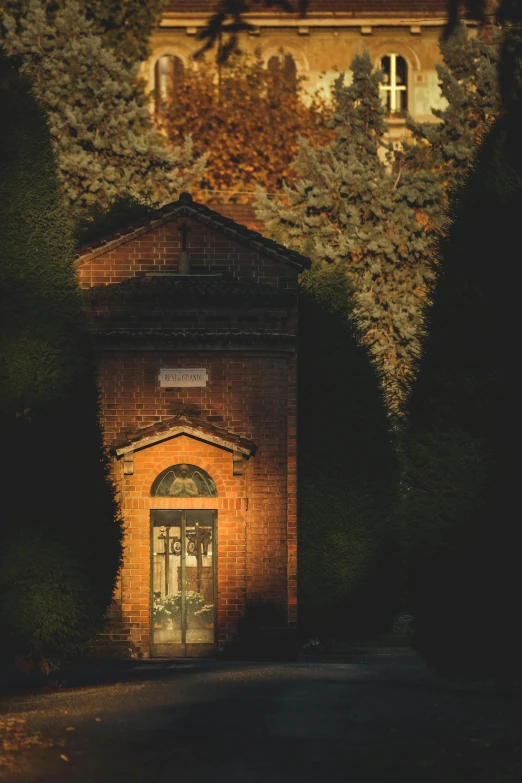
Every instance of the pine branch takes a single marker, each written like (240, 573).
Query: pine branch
(228, 20)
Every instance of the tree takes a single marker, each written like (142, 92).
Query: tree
(125, 25)
(98, 116)
(349, 554)
(458, 450)
(349, 207)
(469, 86)
(462, 434)
(227, 23)
(248, 121)
(60, 542)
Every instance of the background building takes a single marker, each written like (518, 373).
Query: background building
(401, 35)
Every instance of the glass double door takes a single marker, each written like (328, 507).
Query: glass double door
(183, 582)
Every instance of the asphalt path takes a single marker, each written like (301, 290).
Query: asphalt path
(365, 718)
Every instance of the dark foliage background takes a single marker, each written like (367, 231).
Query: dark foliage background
(60, 538)
(459, 496)
(349, 555)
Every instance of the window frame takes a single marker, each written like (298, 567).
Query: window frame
(393, 88)
(161, 78)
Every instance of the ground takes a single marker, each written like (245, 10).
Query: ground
(364, 717)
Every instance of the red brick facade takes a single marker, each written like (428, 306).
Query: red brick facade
(234, 315)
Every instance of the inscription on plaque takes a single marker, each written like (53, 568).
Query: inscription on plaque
(186, 376)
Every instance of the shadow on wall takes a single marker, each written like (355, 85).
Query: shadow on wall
(263, 635)
(115, 642)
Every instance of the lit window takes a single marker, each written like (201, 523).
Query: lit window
(167, 72)
(393, 87)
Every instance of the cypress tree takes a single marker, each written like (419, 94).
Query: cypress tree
(348, 550)
(99, 116)
(60, 543)
(350, 207)
(457, 508)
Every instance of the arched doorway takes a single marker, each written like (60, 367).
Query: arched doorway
(184, 566)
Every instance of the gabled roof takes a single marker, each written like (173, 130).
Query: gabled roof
(183, 425)
(187, 207)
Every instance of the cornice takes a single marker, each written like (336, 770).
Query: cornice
(190, 21)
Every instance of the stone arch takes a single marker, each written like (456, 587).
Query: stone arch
(300, 59)
(409, 57)
(182, 52)
(381, 48)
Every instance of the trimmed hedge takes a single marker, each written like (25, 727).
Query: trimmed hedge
(60, 539)
(458, 508)
(348, 552)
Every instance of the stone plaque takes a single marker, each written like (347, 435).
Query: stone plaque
(184, 376)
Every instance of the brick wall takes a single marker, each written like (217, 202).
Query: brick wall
(158, 251)
(250, 395)
(250, 392)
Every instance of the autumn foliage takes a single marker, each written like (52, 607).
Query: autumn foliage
(248, 118)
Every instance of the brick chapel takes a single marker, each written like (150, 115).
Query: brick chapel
(195, 322)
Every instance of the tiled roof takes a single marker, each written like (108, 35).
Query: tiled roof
(178, 425)
(186, 207)
(223, 340)
(361, 8)
(189, 291)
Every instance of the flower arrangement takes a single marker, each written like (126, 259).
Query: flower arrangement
(168, 608)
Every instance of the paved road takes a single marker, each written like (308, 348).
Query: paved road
(369, 718)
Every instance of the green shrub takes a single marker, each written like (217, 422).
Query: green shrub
(60, 542)
(458, 501)
(348, 552)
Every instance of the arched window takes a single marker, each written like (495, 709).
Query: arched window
(394, 87)
(285, 63)
(184, 481)
(168, 71)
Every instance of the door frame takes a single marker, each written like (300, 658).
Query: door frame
(184, 649)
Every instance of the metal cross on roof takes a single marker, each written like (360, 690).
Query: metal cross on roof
(184, 230)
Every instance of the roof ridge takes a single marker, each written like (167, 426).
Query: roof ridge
(186, 205)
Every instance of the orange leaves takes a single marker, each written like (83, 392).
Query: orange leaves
(248, 122)
(15, 737)
(422, 218)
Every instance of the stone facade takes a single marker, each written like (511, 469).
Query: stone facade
(235, 315)
(324, 43)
